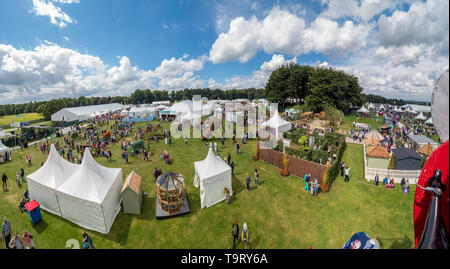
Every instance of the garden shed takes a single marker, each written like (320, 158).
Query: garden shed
(377, 157)
(132, 194)
(407, 159)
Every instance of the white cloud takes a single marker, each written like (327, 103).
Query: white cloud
(259, 77)
(360, 10)
(54, 12)
(283, 32)
(50, 71)
(407, 72)
(424, 23)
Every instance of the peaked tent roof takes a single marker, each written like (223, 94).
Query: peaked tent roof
(429, 121)
(91, 181)
(55, 171)
(3, 148)
(210, 166)
(363, 110)
(420, 116)
(275, 122)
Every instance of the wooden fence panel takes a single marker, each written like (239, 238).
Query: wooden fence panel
(296, 166)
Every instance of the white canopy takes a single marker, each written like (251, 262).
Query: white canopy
(398, 110)
(3, 148)
(429, 121)
(278, 124)
(420, 116)
(212, 175)
(5, 152)
(90, 197)
(363, 110)
(42, 184)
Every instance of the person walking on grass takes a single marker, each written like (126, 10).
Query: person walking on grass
(6, 232)
(232, 167)
(342, 169)
(18, 179)
(256, 177)
(307, 179)
(248, 182)
(235, 233)
(245, 235)
(237, 148)
(22, 174)
(347, 174)
(4, 179)
(88, 239)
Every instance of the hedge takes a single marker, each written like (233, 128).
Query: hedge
(333, 171)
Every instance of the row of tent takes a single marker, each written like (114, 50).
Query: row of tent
(87, 194)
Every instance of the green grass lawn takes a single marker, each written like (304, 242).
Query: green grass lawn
(348, 120)
(279, 214)
(27, 117)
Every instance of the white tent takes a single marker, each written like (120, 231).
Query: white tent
(91, 196)
(4, 150)
(277, 124)
(212, 175)
(363, 110)
(42, 184)
(420, 116)
(429, 121)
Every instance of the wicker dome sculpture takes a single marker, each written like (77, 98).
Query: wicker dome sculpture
(171, 193)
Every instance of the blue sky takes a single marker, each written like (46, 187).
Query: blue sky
(60, 48)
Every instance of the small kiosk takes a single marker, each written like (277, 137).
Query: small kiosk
(34, 211)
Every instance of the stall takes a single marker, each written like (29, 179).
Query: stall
(212, 175)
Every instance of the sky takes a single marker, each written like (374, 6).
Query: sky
(70, 48)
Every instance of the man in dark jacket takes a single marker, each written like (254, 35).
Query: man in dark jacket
(235, 232)
(4, 179)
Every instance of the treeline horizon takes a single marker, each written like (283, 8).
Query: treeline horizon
(142, 96)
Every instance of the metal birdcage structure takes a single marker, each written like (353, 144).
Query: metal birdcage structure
(170, 189)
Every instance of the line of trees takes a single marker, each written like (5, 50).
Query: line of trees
(47, 108)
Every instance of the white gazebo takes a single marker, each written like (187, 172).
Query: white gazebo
(212, 175)
(363, 110)
(90, 197)
(42, 184)
(429, 121)
(277, 125)
(5, 152)
(420, 116)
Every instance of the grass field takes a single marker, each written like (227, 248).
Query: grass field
(27, 117)
(279, 214)
(348, 120)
